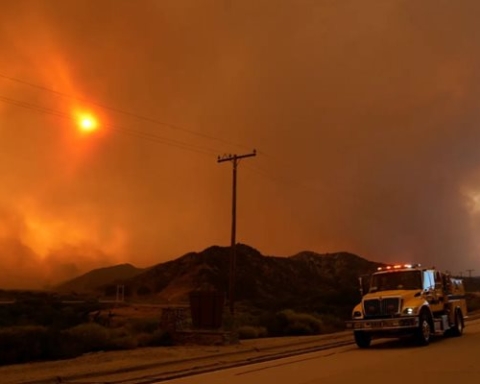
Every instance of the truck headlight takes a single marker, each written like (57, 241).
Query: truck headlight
(357, 314)
(410, 311)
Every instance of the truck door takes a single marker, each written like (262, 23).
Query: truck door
(432, 295)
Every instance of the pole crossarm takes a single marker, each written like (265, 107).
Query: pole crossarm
(230, 157)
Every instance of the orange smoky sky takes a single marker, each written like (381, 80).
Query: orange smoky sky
(365, 117)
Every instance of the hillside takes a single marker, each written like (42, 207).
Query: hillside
(89, 281)
(306, 280)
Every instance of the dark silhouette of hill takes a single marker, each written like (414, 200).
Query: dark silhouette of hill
(90, 281)
(306, 280)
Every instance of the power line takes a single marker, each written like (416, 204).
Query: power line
(129, 131)
(161, 140)
(290, 182)
(37, 108)
(124, 112)
(279, 163)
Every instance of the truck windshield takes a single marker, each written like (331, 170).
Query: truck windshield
(396, 280)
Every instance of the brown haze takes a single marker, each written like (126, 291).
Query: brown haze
(365, 115)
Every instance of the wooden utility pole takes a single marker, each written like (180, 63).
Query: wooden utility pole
(231, 281)
(470, 273)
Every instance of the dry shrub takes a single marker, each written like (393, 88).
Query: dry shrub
(251, 332)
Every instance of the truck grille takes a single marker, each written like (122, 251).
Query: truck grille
(381, 307)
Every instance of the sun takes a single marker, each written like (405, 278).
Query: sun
(87, 123)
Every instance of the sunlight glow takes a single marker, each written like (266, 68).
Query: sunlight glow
(87, 123)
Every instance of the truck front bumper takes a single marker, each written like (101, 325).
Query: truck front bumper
(379, 325)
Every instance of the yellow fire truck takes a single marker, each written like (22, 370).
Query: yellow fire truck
(409, 301)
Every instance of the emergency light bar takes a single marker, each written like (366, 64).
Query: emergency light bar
(398, 266)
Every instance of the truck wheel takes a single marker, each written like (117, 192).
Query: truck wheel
(424, 331)
(457, 329)
(362, 339)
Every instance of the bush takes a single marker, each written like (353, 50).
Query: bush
(144, 325)
(161, 338)
(251, 332)
(144, 340)
(28, 343)
(121, 338)
(331, 323)
(299, 328)
(123, 343)
(290, 323)
(88, 337)
(46, 312)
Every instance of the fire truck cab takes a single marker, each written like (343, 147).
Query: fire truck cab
(409, 301)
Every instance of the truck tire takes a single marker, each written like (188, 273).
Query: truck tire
(362, 339)
(424, 331)
(457, 329)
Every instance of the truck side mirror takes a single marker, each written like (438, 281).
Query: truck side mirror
(364, 282)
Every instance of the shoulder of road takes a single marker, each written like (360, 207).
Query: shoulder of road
(149, 365)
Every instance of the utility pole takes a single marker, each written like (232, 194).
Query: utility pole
(231, 281)
(470, 273)
(120, 293)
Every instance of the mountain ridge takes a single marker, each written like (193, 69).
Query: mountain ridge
(97, 277)
(305, 279)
